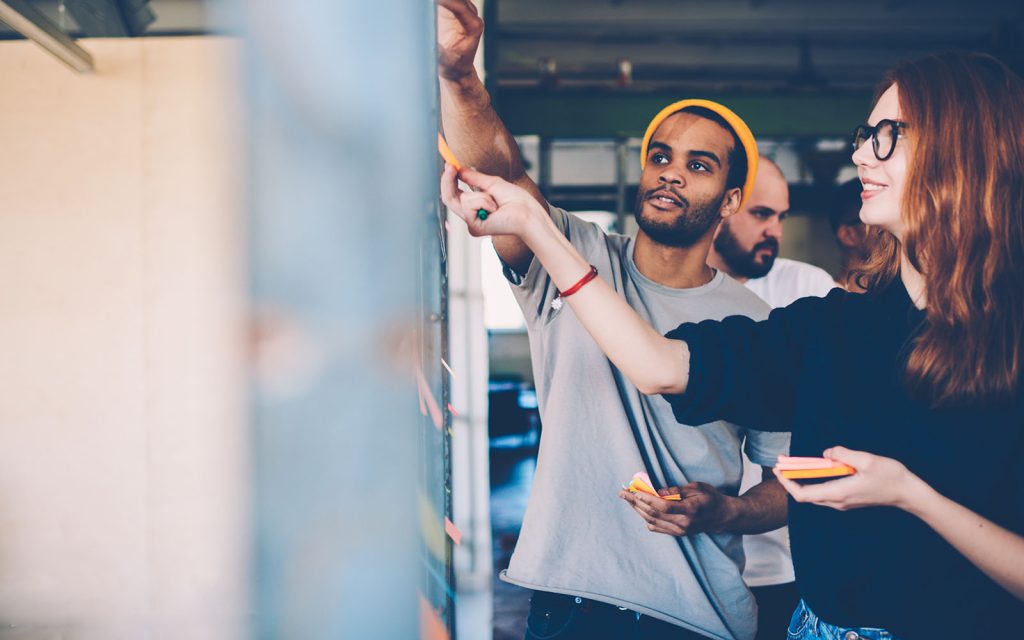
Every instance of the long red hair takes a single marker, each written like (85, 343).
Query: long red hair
(963, 214)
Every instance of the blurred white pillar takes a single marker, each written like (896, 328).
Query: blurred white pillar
(341, 186)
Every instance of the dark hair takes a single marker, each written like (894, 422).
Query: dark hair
(846, 206)
(737, 155)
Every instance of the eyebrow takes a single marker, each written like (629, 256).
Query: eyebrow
(706, 154)
(696, 152)
(762, 209)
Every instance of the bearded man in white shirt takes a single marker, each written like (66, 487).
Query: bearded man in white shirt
(746, 247)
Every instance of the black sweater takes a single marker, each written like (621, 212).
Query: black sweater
(830, 370)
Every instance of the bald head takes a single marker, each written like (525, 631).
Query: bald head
(747, 243)
(768, 171)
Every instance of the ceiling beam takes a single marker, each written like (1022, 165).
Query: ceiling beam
(32, 24)
(111, 18)
(611, 114)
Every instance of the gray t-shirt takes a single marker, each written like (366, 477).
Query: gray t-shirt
(578, 536)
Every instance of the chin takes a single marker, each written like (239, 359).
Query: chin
(879, 216)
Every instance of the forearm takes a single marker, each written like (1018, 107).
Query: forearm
(996, 551)
(479, 139)
(650, 361)
(475, 132)
(762, 508)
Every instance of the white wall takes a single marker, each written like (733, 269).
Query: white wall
(122, 429)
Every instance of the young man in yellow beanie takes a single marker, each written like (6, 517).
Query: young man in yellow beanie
(596, 570)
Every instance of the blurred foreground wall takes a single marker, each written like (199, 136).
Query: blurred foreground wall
(123, 453)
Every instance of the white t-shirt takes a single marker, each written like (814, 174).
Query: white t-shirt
(768, 558)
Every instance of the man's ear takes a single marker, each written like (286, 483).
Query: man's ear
(848, 235)
(731, 202)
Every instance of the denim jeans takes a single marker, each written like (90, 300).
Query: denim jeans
(555, 616)
(804, 625)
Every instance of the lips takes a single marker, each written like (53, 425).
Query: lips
(665, 199)
(871, 188)
(770, 245)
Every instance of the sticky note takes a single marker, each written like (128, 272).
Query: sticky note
(452, 531)
(431, 625)
(446, 153)
(641, 482)
(430, 527)
(797, 468)
(427, 400)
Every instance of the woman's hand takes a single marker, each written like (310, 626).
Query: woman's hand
(879, 482)
(510, 209)
(996, 551)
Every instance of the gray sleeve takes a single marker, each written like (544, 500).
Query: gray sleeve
(764, 447)
(534, 290)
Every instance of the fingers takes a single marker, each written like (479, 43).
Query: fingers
(856, 459)
(483, 181)
(677, 526)
(668, 530)
(792, 488)
(464, 204)
(834, 493)
(464, 10)
(661, 509)
(449, 189)
(695, 489)
(657, 520)
(474, 201)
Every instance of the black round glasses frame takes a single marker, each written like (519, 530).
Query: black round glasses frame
(864, 131)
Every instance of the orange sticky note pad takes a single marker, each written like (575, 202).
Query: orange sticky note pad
(797, 468)
(641, 482)
(446, 153)
(452, 531)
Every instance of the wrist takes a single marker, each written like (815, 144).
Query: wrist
(537, 226)
(731, 512)
(915, 495)
(462, 81)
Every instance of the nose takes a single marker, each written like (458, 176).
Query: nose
(671, 175)
(864, 156)
(774, 229)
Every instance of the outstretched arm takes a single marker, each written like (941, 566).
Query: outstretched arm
(472, 129)
(649, 360)
(880, 481)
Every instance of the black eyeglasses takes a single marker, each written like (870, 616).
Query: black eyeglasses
(883, 137)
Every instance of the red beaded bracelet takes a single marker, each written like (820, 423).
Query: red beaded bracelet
(557, 302)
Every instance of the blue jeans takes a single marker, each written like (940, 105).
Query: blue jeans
(804, 625)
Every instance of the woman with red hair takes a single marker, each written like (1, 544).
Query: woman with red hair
(916, 384)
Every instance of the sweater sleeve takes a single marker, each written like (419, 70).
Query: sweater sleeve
(747, 372)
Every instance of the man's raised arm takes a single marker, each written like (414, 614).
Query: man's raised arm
(473, 130)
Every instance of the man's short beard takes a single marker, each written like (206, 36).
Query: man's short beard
(744, 264)
(689, 226)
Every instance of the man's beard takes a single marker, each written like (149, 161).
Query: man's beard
(689, 225)
(744, 264)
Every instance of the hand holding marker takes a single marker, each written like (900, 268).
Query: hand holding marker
(449, 157)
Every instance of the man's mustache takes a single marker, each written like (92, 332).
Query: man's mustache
(770, 243)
